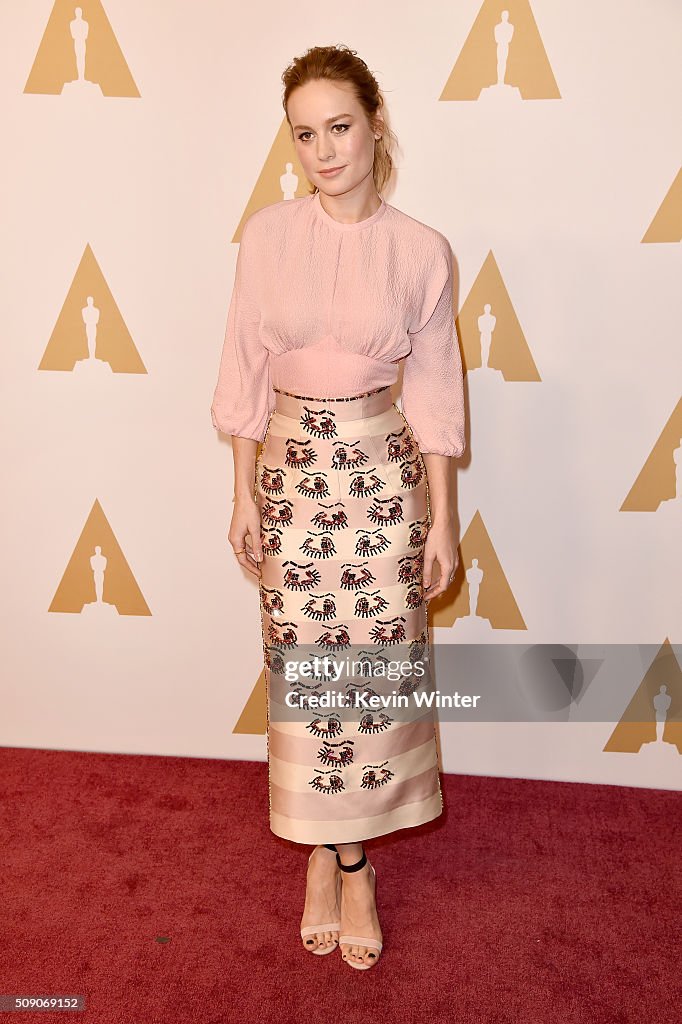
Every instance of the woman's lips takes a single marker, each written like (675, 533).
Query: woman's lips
(331, 172)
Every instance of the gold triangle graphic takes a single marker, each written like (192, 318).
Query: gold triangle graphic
(253, 719)
(657, 479)
(488, 308)
(667, 223)
(281, 175)
(503, 52)
(79, 54)
(98, 578)
(495, 602)
(662, 682)
(90, 309)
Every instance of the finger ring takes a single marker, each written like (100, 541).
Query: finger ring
(241, 551)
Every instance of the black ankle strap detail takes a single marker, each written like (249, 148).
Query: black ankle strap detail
(352, 867)
(330, 846)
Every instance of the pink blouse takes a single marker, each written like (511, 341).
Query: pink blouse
(327, 310)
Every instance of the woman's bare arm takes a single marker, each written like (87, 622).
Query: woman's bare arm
(441, 543)
(244, 529)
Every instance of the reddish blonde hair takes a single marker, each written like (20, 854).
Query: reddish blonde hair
(341, 64)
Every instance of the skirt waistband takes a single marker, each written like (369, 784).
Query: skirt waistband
(355, 407)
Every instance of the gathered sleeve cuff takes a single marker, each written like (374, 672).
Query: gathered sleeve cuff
(243, 398)
(433, 385)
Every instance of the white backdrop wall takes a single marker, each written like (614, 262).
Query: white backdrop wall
(561, 196)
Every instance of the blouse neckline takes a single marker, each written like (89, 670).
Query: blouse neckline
(337, 224)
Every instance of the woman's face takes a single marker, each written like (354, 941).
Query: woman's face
(331, 130)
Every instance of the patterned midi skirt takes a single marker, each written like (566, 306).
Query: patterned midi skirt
(343, 497)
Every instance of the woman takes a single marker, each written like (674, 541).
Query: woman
(344, 512)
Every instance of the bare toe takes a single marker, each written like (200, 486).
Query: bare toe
(321, 901)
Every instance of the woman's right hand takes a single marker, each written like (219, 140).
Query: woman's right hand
(244, 534)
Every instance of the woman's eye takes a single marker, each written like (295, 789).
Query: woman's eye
(344, 126)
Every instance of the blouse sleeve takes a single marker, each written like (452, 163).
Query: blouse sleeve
(433, 386)
(243, 398)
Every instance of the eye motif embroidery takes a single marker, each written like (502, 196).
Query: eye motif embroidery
(375, 775)
(414, 598)
(399, 445)
(335, 784)
(408, 684)
(418, 532)
(411, 569)
(272, 541)
(322, 608)
(301, 577)
(325, 549)
(346, 456)
(283, 634)
(335, 639)
(299, 454)
(272, 601)
(369, 605)
(353, 689)
(326, 727)
(364, 483)
(272, 480)
(364, 545)
(336, 758)
(274, 659)
(301, 690)
(386, 510)
(391, 631)
(314, 487)
(354, 576)
(411, 473)
(322, 676)
(278, 513)
(331, 520)
(371, 723)
(418, 649)
(318, 422)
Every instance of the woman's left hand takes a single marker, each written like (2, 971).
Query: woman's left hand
(441, 547)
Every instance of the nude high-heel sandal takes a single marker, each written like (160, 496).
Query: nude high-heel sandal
(335, 926)
(360, 940)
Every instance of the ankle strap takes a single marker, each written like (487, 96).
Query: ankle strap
(330, 846)
(352, 867)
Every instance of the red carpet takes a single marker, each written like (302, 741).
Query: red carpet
(526, 903)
